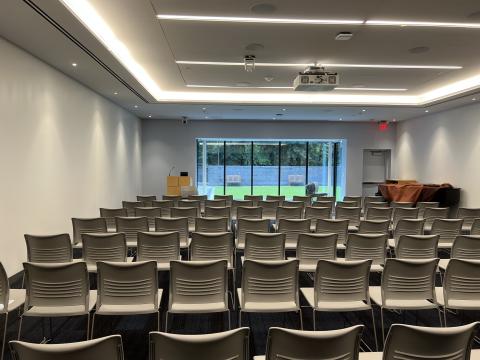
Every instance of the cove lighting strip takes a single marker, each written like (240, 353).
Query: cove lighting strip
(290, 87)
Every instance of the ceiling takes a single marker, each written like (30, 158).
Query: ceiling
(126, 53)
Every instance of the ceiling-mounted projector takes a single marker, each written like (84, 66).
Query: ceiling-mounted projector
(315, 78)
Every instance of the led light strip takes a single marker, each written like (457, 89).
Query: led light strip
(423, 24)
(368, 89)
(291, 87)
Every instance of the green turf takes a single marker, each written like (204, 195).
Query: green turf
(289, 191)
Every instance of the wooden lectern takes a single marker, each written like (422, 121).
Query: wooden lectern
(174, 184)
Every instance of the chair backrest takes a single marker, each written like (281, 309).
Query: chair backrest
(292, 228)
(346, 204)
(293, 204)
(254, 198)
(264, 246)
(211, 225)
(279, 198)
(448, 229)
(249, 212)
(417, 247)
(216, 203)
(49, 248)
(352, 214)
(4, 290)
(379, 213)
(466, 247)
(57, 285)
(104, 247)
(93, 225)
(191, 213)
(179, 224)
(475, 230)
(212, 246)
(251, 225)
(299, 344)
(468, 215)
(201, 198)
(270, 282)
(408, 227)
(314, 213)
(369, 199)
(232, 344)
(377, 204)
(109, 347)
(227, 198)
(430, 214)
(164, 205)
(174, 198)
(367, 246)
(130, 206)
(356, 199)
(210, 280)
(161, 247)
(337, 281)
(130, 226)
(322, 203)
(289, 212)
(269, 208)
(461, 282)
(422, 205)
(418, 342)
(110, 214)
(336, 226)
(306, 199)
(127, 284)
(237, 203)
(402, 204)
(314, 247)
(150, 213)
(400, 213)
(218, 212)
(412, 279)
(374, 227)
(146, 198)
(188, 204)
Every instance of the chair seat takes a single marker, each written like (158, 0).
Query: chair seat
(132, 244)
(290, 245)
(391, 243)
(306, 265)
(163, 266)
(458, 304)
(239, 244)
(16, 299)
(185, 243)
(339, 306)
(341, 246)
(198, 308)
(267, 306)
(127, 309)
(63, 310)
(352, 228)
(259, 357)
(405, 304)
(445, 245)
(376, 268)
(442, 264)
(370, 355)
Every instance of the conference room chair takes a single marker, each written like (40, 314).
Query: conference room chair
(90, 225)
(346, 204)
(356, 199)
(211, 225)
(238, 203)
(187, 204)
(401, 204)
(227, 345)
(336, 226)
(269, 208)
(292, 228)
(147, 200)
(228, 199)
(379, 213)
(406, 227)
(306, 199)
(191, 213)
(215, 203)
(126, 289)
(254, 198)
(245, 226)
(279, 198)
(201, 198)
(57, 290)
(448, 229)
(400, 213)
(338, 344)
(314, 213)
(406, 285)
(105, 348)
(422, 205)
(264, 246)
(367, 246)
(340, 287)
(110, 214)
(327, 204)
(174, 198)
(269, 287)
(410, 342)
(248, 212)
(468, 215)
(430, 214)
(164, 205)
(104, 247)
(314, 247)
(417, 247)
(198, 287)
(369, 199)
(49, 248)
(327, 198)
(352, 214)
(317, 196)
(161, 247)
(178, 224)
(131, 226)
(374, 227)
(10, 300)
(150, 213)
(377, 204)
(293, 204)
(217, 212)
(465, 247)
(130, 206)
(288, 213)
(475, 227)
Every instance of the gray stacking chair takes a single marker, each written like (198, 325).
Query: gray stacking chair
(327, 204)
(346, 204)
(179, 224)
(232, 344)
(417, 247)
(401, 204)
(292, 228)
(400, 213)
(191, 213)
(468, 215)
(93, 225)
(208, 246)
(174, 198)
(314, 213)
(367, 246)
(314, 247)
(150, 213)
(374, 227)
(475, 227)
(269, 287)
(227, 198)
(339, 227)
(106, 348)
(215, 203)
(249, 225)
(126, 289)
(248, 212)
(254, 198)
(317, 196)
(264, 246)
(49, 248)
(422, 205)
(188, 204)
(377, 204)
(200, 198)
(147, 200)
(369, 199)
(161, 247)
(198, 287)
(211, 225)
(217, 212)
(340, 287)
(430, 214)
(293, 204)
(130, 206)
(356, 199)
(110, 214)
(279, 198)
(379, 213)
(10, 300)
(297, 344)
(103, 247)
(269, 208)
(448, 229)
(57, 290)
(464, 247)
(236, 204)
(406, 285)
(131, 226)
(406, 227)
(307, 199)
(288, 213)
(164, 205)
(352, 214)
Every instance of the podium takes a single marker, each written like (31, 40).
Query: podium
(174, 184)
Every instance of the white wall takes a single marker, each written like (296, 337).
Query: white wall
(443, 148)
(64, 152)
(167, 143)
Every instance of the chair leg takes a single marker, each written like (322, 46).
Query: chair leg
(166, 321)
(229, 320)
(301, 318)
(240, 318)
(374, 329)
(233, 288)
(383, 327)
(93, 326)
(445, 316)
(4, 334)
(88, 326)
(158, 320)
(314, 326)
(440, 316)
(20, 327)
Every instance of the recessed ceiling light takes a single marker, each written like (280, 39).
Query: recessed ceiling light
(204, 108)
(340, 119)
(149, 116)
(427, 111)
(344, 36)
(369, 89)
(284, 109)
(135, 106)
(74, 64)
(363, 110)
(206, 117)
(422, 24)
(115, 93)
(474, 99)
